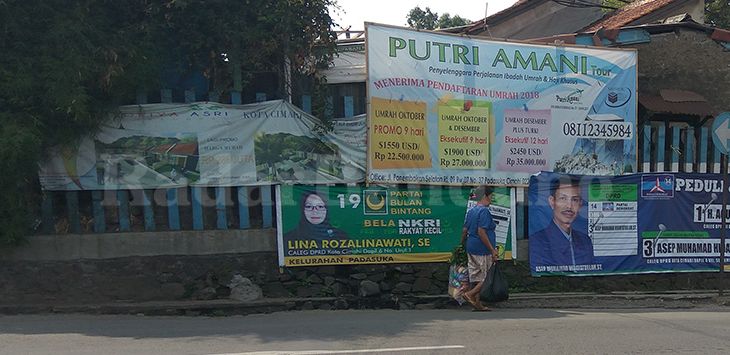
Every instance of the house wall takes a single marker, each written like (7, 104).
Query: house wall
(686, 60)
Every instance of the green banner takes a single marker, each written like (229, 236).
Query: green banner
(339, 225)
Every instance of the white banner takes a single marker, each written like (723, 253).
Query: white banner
(446, 109)
(210, 144)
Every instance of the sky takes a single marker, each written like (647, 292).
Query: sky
(394, 12)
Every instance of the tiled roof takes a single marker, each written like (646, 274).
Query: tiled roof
(628, 14)
(680, 102)
(184, 148)
(681, 96)
(161, 148)
(177, 148)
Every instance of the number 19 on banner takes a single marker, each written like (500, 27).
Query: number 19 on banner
(353, 199)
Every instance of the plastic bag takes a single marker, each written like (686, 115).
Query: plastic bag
(496, 288)
(458, 282)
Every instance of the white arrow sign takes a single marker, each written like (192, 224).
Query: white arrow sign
(723, 134)
(721, 131)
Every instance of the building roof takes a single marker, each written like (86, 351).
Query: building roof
(478, 25)
(628, 14)
(681, 102)
(162, 148)
(714, 33)
(177, 148)
(184, 149)
(527, 19)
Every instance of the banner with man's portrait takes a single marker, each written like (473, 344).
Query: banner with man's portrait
(583, 225)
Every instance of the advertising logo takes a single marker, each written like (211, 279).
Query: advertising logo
(376, 202)
(571, 98)
(617, 97)
(657, 186)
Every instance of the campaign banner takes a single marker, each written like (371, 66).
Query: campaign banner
(210, 144)
(341, 225)
(447, 109)
(631, 224)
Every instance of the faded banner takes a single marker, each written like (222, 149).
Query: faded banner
(210, 144)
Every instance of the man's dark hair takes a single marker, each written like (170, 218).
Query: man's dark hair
(561, 180)
(482, 191)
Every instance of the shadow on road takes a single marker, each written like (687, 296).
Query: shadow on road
(284, 326)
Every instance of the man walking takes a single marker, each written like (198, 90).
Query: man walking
(480, 237)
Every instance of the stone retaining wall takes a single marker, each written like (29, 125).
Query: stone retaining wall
(206, 277)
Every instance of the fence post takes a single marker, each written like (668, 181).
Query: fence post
(675, 149)
(690, 154)
(189, 96)
(72, 211)
(307, 104)
(703, 149)
(235, 97)
(47, 213)
(97, 198)
(123, 205)
(349, 106)
(716, 160)
(198, 223)
(329, 109)
(647, 149)
(141, 98)
(220, 207)
(661, 147)
(149, 212)
(166, 96)
(244, 221)
(266, 204)
(173, 212)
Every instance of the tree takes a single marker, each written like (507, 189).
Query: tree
(422, 19)
(428, 20)
(717, 13)
(65, 65)
(612, 5)
(446, 21)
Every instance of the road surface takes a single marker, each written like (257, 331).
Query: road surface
(503, 331)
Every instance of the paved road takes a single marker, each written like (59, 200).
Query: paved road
(504, 331)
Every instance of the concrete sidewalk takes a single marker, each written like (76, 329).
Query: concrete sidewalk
(224, 307)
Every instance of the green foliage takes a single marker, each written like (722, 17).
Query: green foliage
(446, 21)
(612, 5)
(458, 256)
(20, 144)
(427, 20)
(65, 65)
(717, 13)
(422, 19)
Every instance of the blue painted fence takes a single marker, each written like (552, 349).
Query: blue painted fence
(662, 146)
